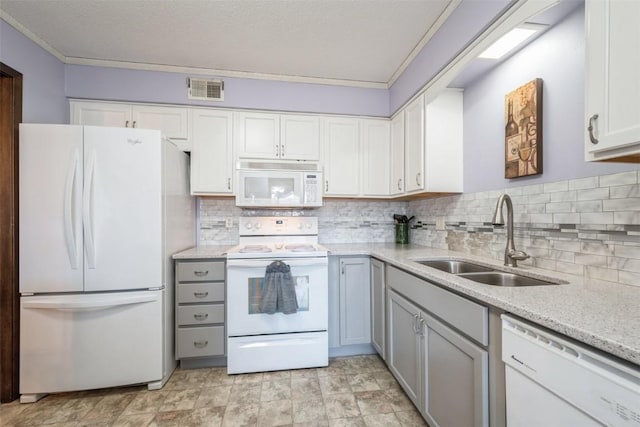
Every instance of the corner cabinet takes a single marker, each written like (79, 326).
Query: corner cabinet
(211, 152)
(396, 186)
(612, 119)
(376, 152)
(200, 312)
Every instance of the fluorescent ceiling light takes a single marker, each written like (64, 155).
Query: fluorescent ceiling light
(511, 40)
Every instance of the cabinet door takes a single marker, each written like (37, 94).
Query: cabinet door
(443, 143)
(211, 153)
(171, 121)
(456, 378)
(378, 291)
(405, 353)
(257, 135)
(299, 137)
(612, 83)
(355, 311)
(414, 145)
(341, 157)
(101, 114)
(397, 155)
(375, 149)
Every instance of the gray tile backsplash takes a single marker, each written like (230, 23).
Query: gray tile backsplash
(587, 226)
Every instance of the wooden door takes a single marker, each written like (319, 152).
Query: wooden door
(10, 117)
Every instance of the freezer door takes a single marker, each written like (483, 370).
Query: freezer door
(50, 236)
(122, 208)
(80, 342)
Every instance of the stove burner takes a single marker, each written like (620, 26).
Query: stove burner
(255, 249)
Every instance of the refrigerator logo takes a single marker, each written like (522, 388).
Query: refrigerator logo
(134, 141)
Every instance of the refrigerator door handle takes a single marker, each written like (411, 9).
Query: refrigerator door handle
(87, 213)
(84, 304)
(70, 199)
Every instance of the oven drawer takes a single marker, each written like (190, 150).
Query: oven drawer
(200, 314)
(200, 271)
(201, 342)
(200, 292)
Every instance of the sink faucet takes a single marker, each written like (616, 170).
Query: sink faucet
(511, 255)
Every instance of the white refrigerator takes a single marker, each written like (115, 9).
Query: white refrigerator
(101, 212)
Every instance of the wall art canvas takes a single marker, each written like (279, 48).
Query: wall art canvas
(523, 130)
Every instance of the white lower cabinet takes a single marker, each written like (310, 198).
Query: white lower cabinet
(444, 373)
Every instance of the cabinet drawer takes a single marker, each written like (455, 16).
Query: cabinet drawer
(465, 315)
(200, 314)
(201, 342)
(200, 292)
(200, 271)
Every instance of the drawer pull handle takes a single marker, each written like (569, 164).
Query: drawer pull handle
(201, 316)
(201, 294)
(200, 344)
(201, 273)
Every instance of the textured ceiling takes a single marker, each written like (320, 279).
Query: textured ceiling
(351, 40)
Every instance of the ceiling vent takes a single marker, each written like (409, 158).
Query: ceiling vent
(206, 90)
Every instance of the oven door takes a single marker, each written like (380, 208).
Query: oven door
(244, 289)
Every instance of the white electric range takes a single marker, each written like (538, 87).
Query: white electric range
(257, 341)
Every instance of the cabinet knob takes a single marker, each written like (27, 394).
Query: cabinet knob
(418, 179)
(416, 318)
(228, 183)
(282, 150)
(326, 186)
(126, 124)
(421, 327)
(134, 124)
(277, 150)
(400, 184)
(592, 138)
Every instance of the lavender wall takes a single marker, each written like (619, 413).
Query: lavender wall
(558, 58)
(163, 87)
(466, 22)
(43, 97)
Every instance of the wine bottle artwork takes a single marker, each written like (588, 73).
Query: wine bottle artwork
(523, 130)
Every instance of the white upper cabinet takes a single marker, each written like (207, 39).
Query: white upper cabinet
(375, 148)
(211, 155)
(341, 156)
(612, 80)
(173, 122)
(299, 137)
(443, 143)
(414, 146)
(276, 136)
(257, 135)
(397, 155)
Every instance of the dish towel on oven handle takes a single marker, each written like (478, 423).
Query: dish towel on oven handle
(279, 292)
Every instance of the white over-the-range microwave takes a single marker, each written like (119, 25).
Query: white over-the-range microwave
(279, 185)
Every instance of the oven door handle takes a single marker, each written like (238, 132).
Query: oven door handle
(264, 263)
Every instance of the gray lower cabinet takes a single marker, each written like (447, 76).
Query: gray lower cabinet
(200, 310)
(439, 360)
(355, 312)
(378, 297)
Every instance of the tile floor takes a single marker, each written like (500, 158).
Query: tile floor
(352, 391)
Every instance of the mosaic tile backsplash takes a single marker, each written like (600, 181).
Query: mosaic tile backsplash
(588, 227)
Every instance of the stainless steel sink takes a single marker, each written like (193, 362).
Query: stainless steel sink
(499, 278)
(453, 266)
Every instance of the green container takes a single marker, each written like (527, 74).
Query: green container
(402, 233)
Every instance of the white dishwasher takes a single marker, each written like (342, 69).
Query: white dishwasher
(552, 381)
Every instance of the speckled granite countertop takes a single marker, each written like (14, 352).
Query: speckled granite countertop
(602, 314)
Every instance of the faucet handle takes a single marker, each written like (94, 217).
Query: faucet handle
(518, 255)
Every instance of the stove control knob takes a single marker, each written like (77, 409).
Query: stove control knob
(308, 226)
(257, 226)
(299, 226)
(248, 226)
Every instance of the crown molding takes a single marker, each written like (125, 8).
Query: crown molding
(30, 35)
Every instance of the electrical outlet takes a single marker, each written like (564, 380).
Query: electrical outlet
(228, 222)
(440, 226)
